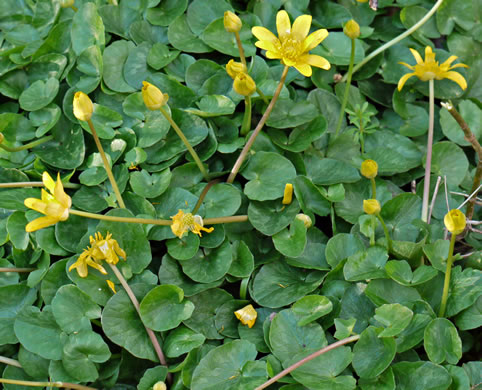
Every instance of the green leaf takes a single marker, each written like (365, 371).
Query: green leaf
(336, 49)
(328, 171)
(366, 264)
(449, 160)
(384, 381)
(287, 114)
(398, 214)
(292, 242)
(267, 173)
(421, 375)
(213, 105)
(122, 325)
(151, 377)
(222, 200)
(400, 271)
(451, 129)
(465, 288)
(243, 260)
(182, 38)
(313, 257)
(342, 246)
(164, 308)
(278, 284)
(159, 56)
(311, 307)
(166, 12)
(272, 216)
(87, 28)
(183, 248)
(150, 185)
(442, 342)
(230, 367)
(114, 57)
(16, 223)
(39, 94)
(310, 197)
(368, 345)
(80, 353)
(73, 309)
(200, 13)
(182, 340)
(381, 291)
(453, 13)
(394, 317)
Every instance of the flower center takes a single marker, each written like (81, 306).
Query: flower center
(188, 220)
(291, 49)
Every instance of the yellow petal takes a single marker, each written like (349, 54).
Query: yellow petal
(60, 194)
(417, 56)
(83, 107)
(371, 206)
(288, 194)
(81, 267)
(274, 55)
(247, 315)
(49, 183)
(283, 24)
(369, 169)
(301, 27)
(152, 96)
(111, 285)
(318, 61)
(40, 223)
(407, 65)
(455, 221)
(314, 39)
(263, 34)
(232, 23)
(457, 77)
(448, 62)
(459, 66)
(403, 80)
(266, 45)
(304, 69)
(35, 204)
(97, 266)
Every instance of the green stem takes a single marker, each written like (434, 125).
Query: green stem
(362, 141)
(332, 217)
(246, 126)
(428, 162)
(135, 302)
(241, 49)
(262, 96)
(10, 362)
(347, 88)
(203, 194)
(395, 40)
(186, 143)
(30, 145)
(448, 271)
(21, 184)
(161, 222)
(307, 359)
(244, 152)
(106, 165)
(387, 234)
(6, 269)
(372, 235)
(46, 384)
(243, 287)
(374, 188)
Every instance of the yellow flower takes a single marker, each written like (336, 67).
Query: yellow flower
(83, 107)
(159, 386)
(87, 259)
(305, 219)
(351, 29)
(369, 169)
(371, 206)
(106, 249)
(100, 249)
(288, 194)
(183, 222)
(430, 69)
(244, 84)
(153, 97)
(293, 43)
(54, 204)
(247, 315)
(233, 68)
(232, 23)
(455, 221)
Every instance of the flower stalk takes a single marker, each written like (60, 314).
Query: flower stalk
(22, 184)
(19, 270)
(387, 234)
(30, 145)
(246, 126)
(448, 272)
(46, 384)
(247, 147)
(306, 360)
(428, 162)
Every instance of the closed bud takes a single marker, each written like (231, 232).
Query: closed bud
(369, 169)
(66, 3)
(233, 68)
(83, 107)
(244, 84)
(305, 219)
(288, 194)
(455, 221)
(232, 23)
(159, 386)
(371, 206)
(153, 97)
(352, 29)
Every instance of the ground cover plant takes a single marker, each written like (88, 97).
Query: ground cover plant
(240, 195)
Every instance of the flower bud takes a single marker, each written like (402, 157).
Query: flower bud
(244, 84)
(83, 107)
(288, 194)
(455, 221)
(362, 1)
(369, 169)
(232, 23)
(233, 68)
(352, 29)
(305, 219)
(153, 97)
(159, 386)
(247, 315)
(66, 3)
(371, 206)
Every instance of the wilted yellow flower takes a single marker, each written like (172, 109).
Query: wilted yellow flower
(244, 84)
(55, 205)
(83, 107)
(430, 69)
(106, 249)
(305, 219)
(369, 169)
(153, 97)
(371, 206)
(455, 221)
(111, 285)
(293, 43)
(247, 315)
(87, 259)
(288, 194)
(352, 29)
(233, 68)
(232, 23)
(183, 222)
